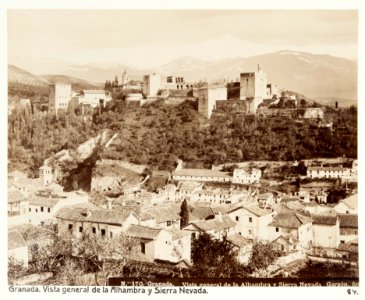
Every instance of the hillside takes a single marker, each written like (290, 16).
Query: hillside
(25, 84)
(16, 74)
(77, 83)
(158, 134)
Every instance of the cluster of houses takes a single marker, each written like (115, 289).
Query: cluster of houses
(224, 205)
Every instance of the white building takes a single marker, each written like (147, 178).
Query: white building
(326, 231)
(252, 221)
(328, 172)
(208, 97)
(59, 96)
(151, 84)
(347, 205)
(93, 97)
(201, 175)
(241, 176)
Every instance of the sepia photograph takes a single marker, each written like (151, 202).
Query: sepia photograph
(172, 147)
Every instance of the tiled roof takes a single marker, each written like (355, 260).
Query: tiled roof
(295, 205)
(349, 247)
(326, 169)
(17, 173)
(214, 224)
(16, 196)
(324, 220)
(43, 201)
(15, 240)
(143, 232)
(351, 201)
(32, 233)
(178, 234)
(348, 221)
(89, 213)
(164, 213)
(201, 213)
(289, 220)
(265, 196)
(33, 182)
(201, 173)
(253, 208)
(238, 240)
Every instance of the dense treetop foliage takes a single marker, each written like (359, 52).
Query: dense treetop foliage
(157, 134)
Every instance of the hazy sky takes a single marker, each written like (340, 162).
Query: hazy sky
(148, 38)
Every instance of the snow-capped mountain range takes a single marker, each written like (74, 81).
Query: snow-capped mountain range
(310, 74)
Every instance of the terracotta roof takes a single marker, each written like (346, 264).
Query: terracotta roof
(164, 213)
(326, 169)
(295, 205)
(201, 213)
(289, 220)
(289, 238)
(214, 224)
(16, 196)
(178, 234)
(15, 240)
(32, 233)
(143, 232)
(201, 173)
(351, 201)
(238, 240)
(324, 220)
(349, 247)
(89, 213)
(265, 196)
(44, 201)
(348, 221)
(17, 173)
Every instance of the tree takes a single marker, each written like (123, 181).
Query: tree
(16, 269)
(184, 214)
(213, 258)
(262, 255)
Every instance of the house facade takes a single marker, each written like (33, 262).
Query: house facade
(241, 176)
(204, 175)
(326, 231)
(328, 172)
(252, 221)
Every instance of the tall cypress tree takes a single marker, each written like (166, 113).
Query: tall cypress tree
(184, 214)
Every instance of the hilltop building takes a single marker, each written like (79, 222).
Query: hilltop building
(59, 96)
(125, 78)
(253, 88)
(208, 97)
(177, 83)
(93, 97)
(151, 84)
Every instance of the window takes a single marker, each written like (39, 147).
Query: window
(168, 223)
(49, 209)
(70, 227)
(103, 232)
(249, 231)
(94, 230)
(111, 234)
(237, 218)
(36, 210)
(143, 248)
(42, 223)
(250, 219)
(80, 229)
(41, 208)
(30, 209)
(277, 229)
